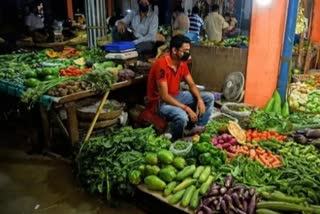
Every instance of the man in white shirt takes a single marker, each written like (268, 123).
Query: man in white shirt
(34, 21)
(141, 27)
(215, 24)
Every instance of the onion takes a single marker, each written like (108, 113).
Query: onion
(225, 137)
(214, 141)
(233, 141)
(221, 141)
(219, 146)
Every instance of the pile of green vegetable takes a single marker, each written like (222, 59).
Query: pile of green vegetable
(104, 164)
(179, 183)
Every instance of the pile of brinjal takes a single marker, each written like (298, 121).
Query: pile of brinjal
(229, 198)
(308, 137)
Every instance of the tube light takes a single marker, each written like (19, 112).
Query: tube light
(264, 3)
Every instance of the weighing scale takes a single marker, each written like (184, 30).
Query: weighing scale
(122, 55)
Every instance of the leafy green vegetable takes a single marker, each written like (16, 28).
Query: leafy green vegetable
(269, 121)
(106, 164)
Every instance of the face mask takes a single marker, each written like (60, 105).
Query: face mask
(144, 7)
(185, 56)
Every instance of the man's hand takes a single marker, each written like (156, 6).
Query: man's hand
(193, 116)
(201, 107)
(121, 27)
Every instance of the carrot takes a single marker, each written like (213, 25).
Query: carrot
(252, 154)
(231, 155)
(264, 161)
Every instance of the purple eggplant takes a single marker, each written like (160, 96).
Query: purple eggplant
(228, 181)
(216, 202)
(200, 212)
(223, 206)
(213, 192)
(236, 200)
(239, 211)
(236, 188)
(252, 205)
(245, 206)
(208, 201)
(299, 138)
(252, 191)
(241, 191)
(246, 195)
(227, 199)
(206, 209)
(223, 190)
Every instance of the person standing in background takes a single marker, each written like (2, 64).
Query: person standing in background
(196, 22)
(181, 22)
(232, 29)
(215, 24)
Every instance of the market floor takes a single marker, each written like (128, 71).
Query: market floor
(37, 184)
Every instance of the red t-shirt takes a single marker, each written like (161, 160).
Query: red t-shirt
(163, 71)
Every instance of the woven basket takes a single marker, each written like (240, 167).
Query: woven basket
(103, 116)
(99, 124)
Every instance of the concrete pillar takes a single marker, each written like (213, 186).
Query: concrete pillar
(266, 39)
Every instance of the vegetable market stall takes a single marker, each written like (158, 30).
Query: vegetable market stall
(227, 169)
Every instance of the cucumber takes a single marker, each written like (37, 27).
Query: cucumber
(187, 196)
(205, 186)
(266, 211)
(169, 188)
(283, 206)
(205, 174)
(194, 203)
(198, 172)
(184, 184)
(186, 172)
(279, 196)
(174, 199)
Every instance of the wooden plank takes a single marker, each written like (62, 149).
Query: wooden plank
(159, 196)
(89, 93)
(74, 97)
(72, 122)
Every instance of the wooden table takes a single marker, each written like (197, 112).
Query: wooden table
(69, 104)
(160, 197)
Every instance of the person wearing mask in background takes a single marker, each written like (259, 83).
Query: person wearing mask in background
(196, 22)
(181, 22)
(232, 30)
(141, 27)
(164, 95)
(215, 25)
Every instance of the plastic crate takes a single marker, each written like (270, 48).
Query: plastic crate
(119, 46)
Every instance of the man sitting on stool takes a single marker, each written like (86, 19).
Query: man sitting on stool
(164, 95)
(140, 27)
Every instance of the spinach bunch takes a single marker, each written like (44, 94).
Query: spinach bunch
(269, 121)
